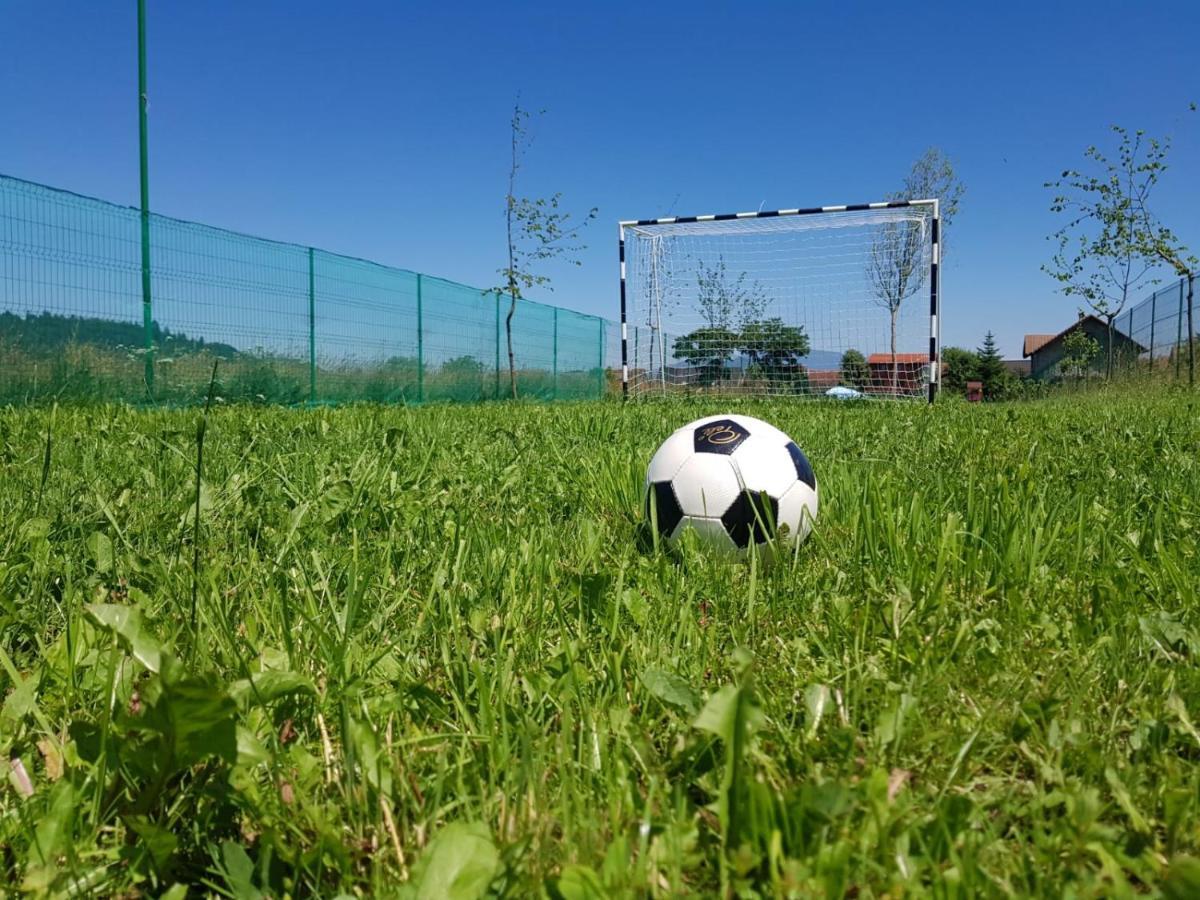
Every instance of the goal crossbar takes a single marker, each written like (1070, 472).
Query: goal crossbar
(756, 221)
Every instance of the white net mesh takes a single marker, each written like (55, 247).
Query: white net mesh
(801, 305)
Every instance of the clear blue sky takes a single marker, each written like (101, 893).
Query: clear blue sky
(379, 129)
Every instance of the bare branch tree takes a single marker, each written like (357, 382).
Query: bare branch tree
(537, 231)
(1108, 249)
(896, 266)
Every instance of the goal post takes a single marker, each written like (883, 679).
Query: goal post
(820, 301)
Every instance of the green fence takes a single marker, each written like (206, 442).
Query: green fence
(1166, 328)
(288, 324)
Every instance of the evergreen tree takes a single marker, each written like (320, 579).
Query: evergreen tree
(990, 369)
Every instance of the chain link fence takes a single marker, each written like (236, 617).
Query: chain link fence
(283, 323)
(1164, 327)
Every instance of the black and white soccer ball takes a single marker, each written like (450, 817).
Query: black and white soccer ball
(735, 481)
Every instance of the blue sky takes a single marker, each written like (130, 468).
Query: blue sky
(379, 129)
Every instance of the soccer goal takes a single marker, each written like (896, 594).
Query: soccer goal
(827, 301)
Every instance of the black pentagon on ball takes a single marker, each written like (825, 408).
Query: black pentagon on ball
(751, 516)
(666, 506)
(723, 436)
(803, 469)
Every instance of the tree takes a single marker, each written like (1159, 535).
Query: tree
(775, 350)
(895, 267)
(1078, 352)
(1108, 249)
(537, 231)
(725, 302)
(707, 349)
(990, 369)
(1164, 246)
(854, 369)
(958, 367)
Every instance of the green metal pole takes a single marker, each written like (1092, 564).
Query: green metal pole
(312, 331)
(420, 347)
(1179, 332)
(1153, 305)
(554, 389)
(497, 345)
(600, 363)
(147, 312)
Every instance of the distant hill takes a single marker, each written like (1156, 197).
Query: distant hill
(822, 359)
(47, 333)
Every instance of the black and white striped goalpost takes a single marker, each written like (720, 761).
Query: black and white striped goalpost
(934, 268)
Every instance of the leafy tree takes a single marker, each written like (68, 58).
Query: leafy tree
(896, 265)
(775, 349)
(726, 302)
(990, 369)
(707, 349)
(537, 231)
(1078, 352)
(854, 369)
(958, 367)
(1109, 248)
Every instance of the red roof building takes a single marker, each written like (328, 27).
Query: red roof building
(909, 368)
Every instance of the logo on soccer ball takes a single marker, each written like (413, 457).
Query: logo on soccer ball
(723, 436)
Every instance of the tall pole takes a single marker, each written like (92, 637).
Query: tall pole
(147, 313)
(312, 330)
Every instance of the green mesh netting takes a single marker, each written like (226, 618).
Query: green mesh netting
(285, 323)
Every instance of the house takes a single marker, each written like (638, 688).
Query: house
(1046, 351)
(911, 370)
(1018, 368)
(821, 380)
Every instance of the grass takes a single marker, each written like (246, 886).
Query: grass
(434, 655)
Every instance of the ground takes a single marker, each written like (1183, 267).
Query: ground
(435, 651)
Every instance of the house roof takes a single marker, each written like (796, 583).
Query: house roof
(824, 377)
(885, 359)
(1035, 342)
(1033, 339)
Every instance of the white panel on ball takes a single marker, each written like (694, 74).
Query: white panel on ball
(706, 485)
(763, 463)
(798, 510)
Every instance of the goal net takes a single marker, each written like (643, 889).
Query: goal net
(830, 301)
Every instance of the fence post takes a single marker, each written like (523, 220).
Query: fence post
(1153, 304)
(420, 346)
(497, 391)
(554, 364)
(312, 331)
(1191, 303)
(1179, 331)
(600, 382)
(144, 173)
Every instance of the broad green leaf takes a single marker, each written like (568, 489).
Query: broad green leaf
(671, 690)
(270, 685)
(126, 623)
(459, 863)
(56, 826)
(891, 720)
(100, 547)
(731, 712)
(1183, 879)
(580, 883)
(239, 872)
(159, 842)
(197, 718)
(250, 751)
(816, 698)
(20, 702)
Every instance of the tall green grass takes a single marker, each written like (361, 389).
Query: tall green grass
(434, 654)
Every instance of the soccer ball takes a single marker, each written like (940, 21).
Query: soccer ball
(733, 480)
